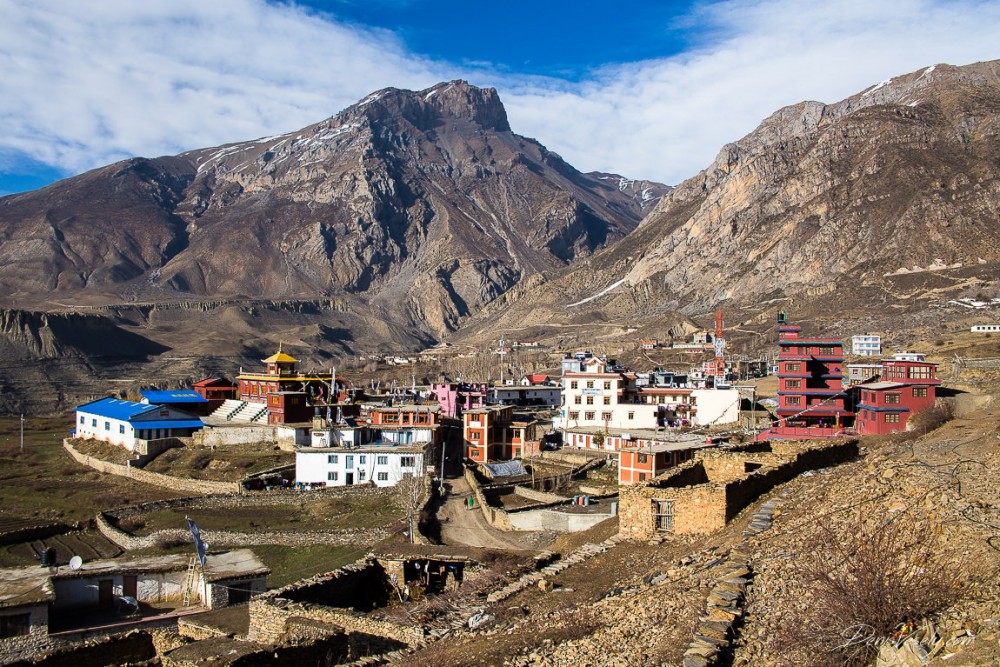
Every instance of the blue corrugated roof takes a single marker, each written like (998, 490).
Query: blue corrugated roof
(173, 396)
(115, 408)
(170, 423)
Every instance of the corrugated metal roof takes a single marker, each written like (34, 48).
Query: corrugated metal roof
(173, 396)
(169, 423)
(116, 408)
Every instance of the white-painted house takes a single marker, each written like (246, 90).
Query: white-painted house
(382, 464)
(122, 422)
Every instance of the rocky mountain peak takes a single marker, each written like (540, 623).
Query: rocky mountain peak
(426, 109)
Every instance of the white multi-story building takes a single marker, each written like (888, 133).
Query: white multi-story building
(868, 345)
(378, 464)
(594, 397)
(538, 394)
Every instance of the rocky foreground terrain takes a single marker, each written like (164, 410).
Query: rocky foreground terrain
(742, 596)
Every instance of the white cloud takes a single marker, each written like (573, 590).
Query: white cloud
(667, 119)
(85, 83)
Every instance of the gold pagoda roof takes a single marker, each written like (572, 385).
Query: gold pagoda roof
(280, 357)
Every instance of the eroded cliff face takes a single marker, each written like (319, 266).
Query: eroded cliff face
(902, 177)
(422, 203)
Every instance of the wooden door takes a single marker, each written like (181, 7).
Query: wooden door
(130, 586)
(105, 592)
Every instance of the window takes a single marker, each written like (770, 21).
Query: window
(607, 384)
(361, 475)
(573, 384)
(590, 384)
(121, 429)
(921, 372)
(590, 400)
(382, 460)
(349, 460)
(15, 625)
(332, 476)
(607, 400)
(473, 435)
(793, 367)
(892, 399)
(606, 416)
(107, 426)
(920, 392)
(642, 458)
(589, 416)
(631, 415)
(576, 400)
(407, 461)
(93, 423)
(793, 400)
(81, 419)
(383, 477)
(361, 459)
(642, 477)
(892, 418)
(793, 384)
(332, 458)
(574, 416)
(826, 352)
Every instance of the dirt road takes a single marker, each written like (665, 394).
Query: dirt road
(466, 527)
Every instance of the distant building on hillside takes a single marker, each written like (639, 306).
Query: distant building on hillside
(906, 387)
(867, 345)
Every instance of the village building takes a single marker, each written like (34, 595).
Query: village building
(496, 433)
(527, 395)
(281, 394)
(907, 387)
(985, 328)
(644, 462)
(811, 396)
(344, 457)
(858, 373)
(182, 399)
(216, 389)
(598, 397)
(866, 345)
(42, 608)
(454, 398)
(406, 424)
(124, 423)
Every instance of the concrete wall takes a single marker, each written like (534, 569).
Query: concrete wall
(555, 520)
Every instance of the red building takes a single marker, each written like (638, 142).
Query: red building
(811, 397)
(495, 433)
(281, 376)
(906, 387)
(639, 464)
(215, 389)
(288, 407)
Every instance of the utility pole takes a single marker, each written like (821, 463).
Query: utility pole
(22, 431)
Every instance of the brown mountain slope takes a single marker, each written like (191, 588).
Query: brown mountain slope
(819, 199)
(424, 203)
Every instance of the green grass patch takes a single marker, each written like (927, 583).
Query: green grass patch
(313, 512)
(221, 464)
(42, 482)
(290, 564)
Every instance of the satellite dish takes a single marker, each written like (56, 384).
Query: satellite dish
(75, 563)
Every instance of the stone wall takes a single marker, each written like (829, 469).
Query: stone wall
(31, 533)
(235, 435)
(272, 612)
(539, 496)
(106, 522)
(716, 485)
(181, 484)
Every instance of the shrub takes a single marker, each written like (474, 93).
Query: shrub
(932, 417)
(863, 581)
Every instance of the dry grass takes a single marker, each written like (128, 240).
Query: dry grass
(863, 581)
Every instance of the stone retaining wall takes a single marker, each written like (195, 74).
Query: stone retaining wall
(106, 520)
(539, 496)
(31, 533)
(708, 491)
(235, 435)
(156, 479)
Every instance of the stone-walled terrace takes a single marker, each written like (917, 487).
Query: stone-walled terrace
(700, 496)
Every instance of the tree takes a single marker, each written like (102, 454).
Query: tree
(410, 492)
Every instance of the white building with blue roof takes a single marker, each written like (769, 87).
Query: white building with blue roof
(122, 422)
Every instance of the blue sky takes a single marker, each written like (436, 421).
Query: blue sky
(645, 89)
